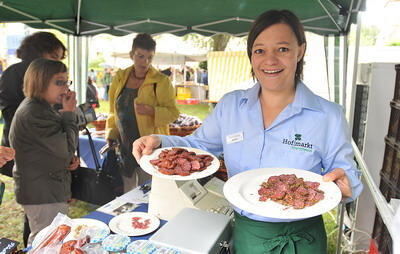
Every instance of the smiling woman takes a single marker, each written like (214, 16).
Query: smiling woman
(272, 125)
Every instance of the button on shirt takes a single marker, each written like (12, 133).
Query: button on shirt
(311, 133)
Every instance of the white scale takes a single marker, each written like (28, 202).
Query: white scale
(168, 197)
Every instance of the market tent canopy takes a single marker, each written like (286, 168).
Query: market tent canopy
(162, 58)
(179, 17)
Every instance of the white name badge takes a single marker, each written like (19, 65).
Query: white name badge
(234, 138)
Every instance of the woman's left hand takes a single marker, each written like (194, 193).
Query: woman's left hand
(144, 109)
(73, 164)
(338, 176)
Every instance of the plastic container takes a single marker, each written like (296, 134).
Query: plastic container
(115, 243)
(183, 93)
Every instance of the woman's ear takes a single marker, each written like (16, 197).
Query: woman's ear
(302, 50)
(131, 54)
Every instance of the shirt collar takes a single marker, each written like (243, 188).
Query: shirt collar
(304, 97)
(151, 75)
(250, 95)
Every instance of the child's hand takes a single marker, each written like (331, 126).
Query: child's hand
(69, 102)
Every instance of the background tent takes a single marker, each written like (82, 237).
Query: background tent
(162, 58)
(81, 18)
(207, 17)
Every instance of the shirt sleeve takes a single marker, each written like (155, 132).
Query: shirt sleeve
(111, 127)
(166, 110)
(339, 154)
(11, 93)
(207, 137)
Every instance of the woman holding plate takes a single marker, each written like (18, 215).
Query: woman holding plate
(277, 123)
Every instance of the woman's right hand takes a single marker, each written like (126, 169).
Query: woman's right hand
(145, 146)
(69, 102)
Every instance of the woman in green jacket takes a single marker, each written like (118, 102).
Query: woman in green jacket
(142, 102)
(44, 140)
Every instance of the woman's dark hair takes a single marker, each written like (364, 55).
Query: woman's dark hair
(273, 17)
(38, 75)
(144, 41)
(35, 45)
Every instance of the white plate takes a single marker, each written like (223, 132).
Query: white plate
(241, 191)
(91, 223)
(122, 224)
(152, 170)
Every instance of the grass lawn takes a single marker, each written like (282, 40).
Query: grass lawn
(11, 214)
(199, 110)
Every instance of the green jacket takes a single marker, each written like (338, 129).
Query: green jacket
(155, 91)
(45, 142)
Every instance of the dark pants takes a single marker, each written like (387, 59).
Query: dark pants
(27, 231)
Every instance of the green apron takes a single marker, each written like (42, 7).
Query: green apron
(299, 237)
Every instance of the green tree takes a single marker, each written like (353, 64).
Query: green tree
(216, 42)
(95, 63)
(220, 41)
(368, 36)
(396, 43)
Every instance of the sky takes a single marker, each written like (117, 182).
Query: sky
(377, 9)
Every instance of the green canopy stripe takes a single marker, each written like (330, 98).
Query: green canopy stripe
(179, 17)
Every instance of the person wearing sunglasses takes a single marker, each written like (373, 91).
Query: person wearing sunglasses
(44, 140)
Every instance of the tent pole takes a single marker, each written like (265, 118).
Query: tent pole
(331, 67)
(78, 17)
(343, 70)
(78, 64)
(351, 103)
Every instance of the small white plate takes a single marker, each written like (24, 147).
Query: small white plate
(241, 191)
(122, 224)
(90, 223)
(152, 170)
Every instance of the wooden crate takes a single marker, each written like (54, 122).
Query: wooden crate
(390, 173)
(393, 131)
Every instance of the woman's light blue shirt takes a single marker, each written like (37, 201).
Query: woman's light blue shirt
(311, 133)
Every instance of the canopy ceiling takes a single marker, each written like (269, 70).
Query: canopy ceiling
(179, 17)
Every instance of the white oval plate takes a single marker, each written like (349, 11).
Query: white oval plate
(91, 223)
(152, 170)
(122, 224)
(241, 191)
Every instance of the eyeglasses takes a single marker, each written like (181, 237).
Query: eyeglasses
(63, 82)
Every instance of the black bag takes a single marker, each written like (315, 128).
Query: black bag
(96, 186)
